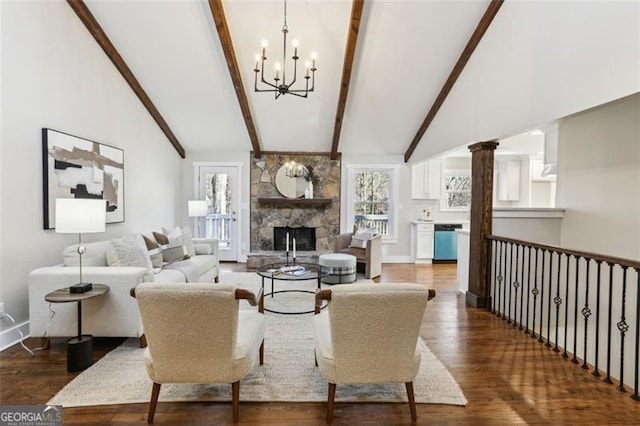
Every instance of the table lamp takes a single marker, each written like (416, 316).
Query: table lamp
(197, 208)
(80, 215)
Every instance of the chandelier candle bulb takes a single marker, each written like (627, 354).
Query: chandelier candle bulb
(294, 248)
(284, 87)
(287, 242)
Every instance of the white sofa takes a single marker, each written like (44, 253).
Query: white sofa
(114, 314)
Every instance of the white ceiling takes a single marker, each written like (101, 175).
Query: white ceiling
(538, 61)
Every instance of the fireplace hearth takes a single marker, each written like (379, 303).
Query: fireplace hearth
(305, 238)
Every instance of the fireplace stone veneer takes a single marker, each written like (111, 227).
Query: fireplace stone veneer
(325, 218)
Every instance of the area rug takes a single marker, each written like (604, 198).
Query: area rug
(288, 374)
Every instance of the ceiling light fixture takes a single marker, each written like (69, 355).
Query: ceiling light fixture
(281, 87)
(296, 170)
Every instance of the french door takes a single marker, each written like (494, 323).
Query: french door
(218, 185)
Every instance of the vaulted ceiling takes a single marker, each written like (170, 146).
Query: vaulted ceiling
(521, 74)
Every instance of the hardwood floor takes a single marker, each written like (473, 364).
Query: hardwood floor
(507, 377)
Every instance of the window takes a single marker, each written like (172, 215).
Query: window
(372, 198)
(457, 190)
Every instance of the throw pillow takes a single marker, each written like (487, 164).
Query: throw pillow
(155, 253)
(360, 238)
(172, 254)
(188, 241)
(130, 250)
(178, 236)
(162, 239)
(202, 249)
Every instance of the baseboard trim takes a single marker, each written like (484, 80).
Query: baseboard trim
(10, 336)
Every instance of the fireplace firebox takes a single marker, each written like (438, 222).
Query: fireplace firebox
(305, 238)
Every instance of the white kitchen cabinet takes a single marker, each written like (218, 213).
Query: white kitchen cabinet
(426, 180)
(423, 237)
(508, 180)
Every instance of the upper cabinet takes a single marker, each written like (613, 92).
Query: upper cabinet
(426, 180)
(508, 180)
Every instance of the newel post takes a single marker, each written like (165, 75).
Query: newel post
(479, 293)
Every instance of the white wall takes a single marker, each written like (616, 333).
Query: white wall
(599, 179)
(55, 75)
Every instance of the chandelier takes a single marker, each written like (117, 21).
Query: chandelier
(296, 170)
(282, 87)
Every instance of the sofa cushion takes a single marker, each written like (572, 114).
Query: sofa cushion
(94, 256)
(194, 267)
(167, 275)
(161, 238)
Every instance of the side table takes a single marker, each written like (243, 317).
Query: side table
(79, 348)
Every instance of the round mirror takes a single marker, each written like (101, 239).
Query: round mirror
(290, 187)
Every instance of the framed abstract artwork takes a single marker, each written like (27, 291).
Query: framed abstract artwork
(75, 167)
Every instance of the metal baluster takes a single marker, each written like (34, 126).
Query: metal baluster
(510, 281)
(575, 314)
(607, 379)
(635, 395)
(535, 293)
(623, 327)
(522, 291)
(557, 300)
(504, 287)
(586, 313)
(499, 279)
(526, 328)
(516, 286)
(548, 344)
(494, 248)
(540, 339)
(596, 369)
(566, 308)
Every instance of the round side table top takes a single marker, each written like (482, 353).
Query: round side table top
(64, 295)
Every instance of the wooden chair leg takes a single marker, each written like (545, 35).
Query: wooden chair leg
(262, 353)
(412, 401)
(155, 391)
(330, 398)
(235, 400)
(143, 341)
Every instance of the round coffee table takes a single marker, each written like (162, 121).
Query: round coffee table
(279, 272)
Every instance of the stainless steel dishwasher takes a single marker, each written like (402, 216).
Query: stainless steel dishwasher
(445, 242)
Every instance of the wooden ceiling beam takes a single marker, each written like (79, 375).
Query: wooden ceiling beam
(481, 28)
(90, 22)
(220, 20)
(349, 54)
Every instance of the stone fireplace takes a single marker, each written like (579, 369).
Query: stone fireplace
(295, 213)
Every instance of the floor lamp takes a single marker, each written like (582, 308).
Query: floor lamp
(196, 209)
(80, 216)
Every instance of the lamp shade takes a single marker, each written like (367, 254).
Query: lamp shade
(197, 208)
(80, 215)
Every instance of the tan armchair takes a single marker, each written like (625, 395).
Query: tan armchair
(196, 333)
(369, 334)
(370, 257)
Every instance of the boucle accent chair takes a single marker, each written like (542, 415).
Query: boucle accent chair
(196, 333)
(370, 256)
(369, 334)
